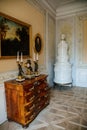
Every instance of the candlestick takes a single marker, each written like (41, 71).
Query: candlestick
(18, 56)
(21, 57)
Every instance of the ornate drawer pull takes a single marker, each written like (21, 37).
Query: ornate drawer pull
(46, 103)
(46, 95)
(32, 116)
(31, 88)
(46, 88)
(39, 91)
(31, 98)
(36, 83)
(32, 107)
(39, 99)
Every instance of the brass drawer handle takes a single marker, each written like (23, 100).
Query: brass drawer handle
(38, 91)
(39, 99)
(31, 88)
(38, 83)
(31, 98)
(35, 83)
(46, 88)
(32, 107)
(32, 116)
(46, 95)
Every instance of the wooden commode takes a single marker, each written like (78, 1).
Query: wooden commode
(24, 100)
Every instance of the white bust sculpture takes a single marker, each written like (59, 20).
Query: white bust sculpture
(62, 67)
(62, 50)
(63, 37)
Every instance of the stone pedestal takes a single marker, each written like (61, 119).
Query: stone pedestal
(62, 68)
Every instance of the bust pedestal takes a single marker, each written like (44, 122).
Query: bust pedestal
(62, 68)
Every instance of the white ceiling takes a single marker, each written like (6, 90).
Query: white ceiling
(55, 4)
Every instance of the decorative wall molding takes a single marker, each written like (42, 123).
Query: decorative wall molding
(75, 26)
(13, 74)
(69, 20)
(62, 11)
(47, 7)
(35, 4)
(81, 76)
(71, 10)
(43, 6)
(79, 40)
(3, 115)
(7, 76)
(4, 77)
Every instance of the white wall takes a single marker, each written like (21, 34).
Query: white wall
(3, 115)
(70, 22)
(41, 23)
(50, 47)
(23, 11)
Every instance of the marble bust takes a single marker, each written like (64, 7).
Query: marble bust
(63, 37)
(62, 67)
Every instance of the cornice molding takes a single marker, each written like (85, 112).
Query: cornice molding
(70, 10)
(48, 7)
(36, 5)
(43, 6)
(61, 12)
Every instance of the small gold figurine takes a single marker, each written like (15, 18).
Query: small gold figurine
(29, 68)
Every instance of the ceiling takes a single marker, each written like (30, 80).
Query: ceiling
(55, 4)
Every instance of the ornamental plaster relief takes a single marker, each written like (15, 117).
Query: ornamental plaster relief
(79, 40)
(13, 74)
(7, 76)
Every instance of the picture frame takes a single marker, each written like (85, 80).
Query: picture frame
(38, 43)
(15, 36)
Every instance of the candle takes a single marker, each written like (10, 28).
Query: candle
(17, 56)
(37, 56)
(21, 57)
(34, 58)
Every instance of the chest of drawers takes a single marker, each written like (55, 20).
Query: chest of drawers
(24, 100)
